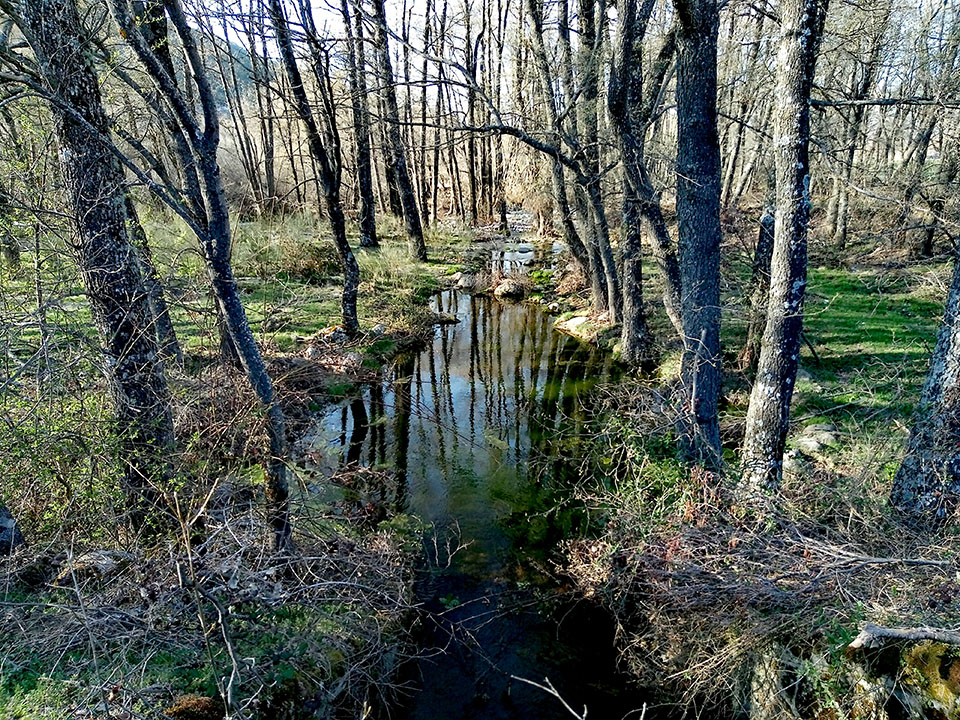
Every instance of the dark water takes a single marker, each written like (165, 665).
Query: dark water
(482, 431)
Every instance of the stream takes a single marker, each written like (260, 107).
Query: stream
(482, 431)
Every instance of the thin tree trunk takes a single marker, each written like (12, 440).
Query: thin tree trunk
(328, 162)
(408, 197)
(356, 69)
(212, 224)
(768, 416)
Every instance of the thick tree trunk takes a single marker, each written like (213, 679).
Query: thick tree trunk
(768, 417)
(698, 223)
(119, 301)
(927, 484)
(408, 197)
(356, 68)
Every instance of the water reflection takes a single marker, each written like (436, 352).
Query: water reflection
(470, 424)
(481, 431)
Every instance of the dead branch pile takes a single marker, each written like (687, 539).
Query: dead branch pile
(131, 631)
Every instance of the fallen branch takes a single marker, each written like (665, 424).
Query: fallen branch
(875, 635)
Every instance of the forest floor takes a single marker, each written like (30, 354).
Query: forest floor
(110, 626)
(714, 599)
(704, 594)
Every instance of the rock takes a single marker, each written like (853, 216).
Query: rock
(10, 536)
(446, 319)
(466, 281)
(378, 330)
(509, 289)
(810, 444)
(90, 565)
(817, 437)
(553, 307)
(352, 359)
(313, 353)
(804, 376)
(455, 278)
(795, 462)
(332, 334)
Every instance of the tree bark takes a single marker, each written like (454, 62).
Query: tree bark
(408, 197)
(119, 301)
(356, 70)
(768, 416)
(698, 224)
(927, 484)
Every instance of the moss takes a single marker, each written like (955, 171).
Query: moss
(932, 668)
(195, 707)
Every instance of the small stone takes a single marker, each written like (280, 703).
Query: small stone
(466, 281)
(554, 307)
(795, 462)
(378, 330)
(804, 376)
(509, 289)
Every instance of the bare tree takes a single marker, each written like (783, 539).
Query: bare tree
(768, 416)
(202, 204)
(328, 162)
(356, 71)
(398, 160)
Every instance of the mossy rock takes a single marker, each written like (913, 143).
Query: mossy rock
(195, 707)
(934, 669)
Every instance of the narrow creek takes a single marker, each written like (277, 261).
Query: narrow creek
(481, 430)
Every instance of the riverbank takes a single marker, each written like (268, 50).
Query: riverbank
(210, 619)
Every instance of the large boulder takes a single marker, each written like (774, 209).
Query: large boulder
(10, 536)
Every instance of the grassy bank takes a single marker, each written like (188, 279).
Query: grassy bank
(107, 625)
(723, 610)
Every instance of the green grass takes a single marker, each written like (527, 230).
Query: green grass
(287, 269)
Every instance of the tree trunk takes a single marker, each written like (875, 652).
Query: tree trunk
(356, 69)
(768, 416)
(119, 301)
(211, 222)
(698, 224)
(408, 196)
(927, 484)
(328, 163)
(759, 289)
